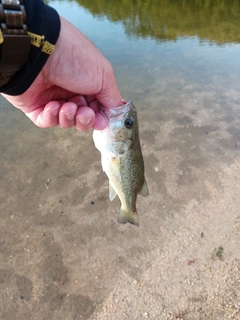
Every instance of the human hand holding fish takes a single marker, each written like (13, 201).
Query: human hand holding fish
(122, 159)
(73, 82)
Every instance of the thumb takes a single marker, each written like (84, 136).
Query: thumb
(109, 96)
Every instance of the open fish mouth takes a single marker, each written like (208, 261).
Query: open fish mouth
(117, 112)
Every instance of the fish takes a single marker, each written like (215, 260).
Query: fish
(122, 159)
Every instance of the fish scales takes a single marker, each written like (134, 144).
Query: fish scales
(122, 159)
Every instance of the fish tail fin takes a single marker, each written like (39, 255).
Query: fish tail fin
(128, 216)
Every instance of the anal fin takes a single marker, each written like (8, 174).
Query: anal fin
(112, 192)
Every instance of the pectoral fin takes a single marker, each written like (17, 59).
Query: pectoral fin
(112, 192)
(121, 147)
(144, 192)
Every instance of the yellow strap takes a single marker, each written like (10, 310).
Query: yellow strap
(38, 41)
(1, 37)
(48, 47)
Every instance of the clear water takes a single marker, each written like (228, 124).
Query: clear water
(154, 46)
(177, 60)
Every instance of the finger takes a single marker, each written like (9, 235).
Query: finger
(67, 115)
(93, 104)
(45, 117)
(79, 100)
(109, 95)
(100, 122)
(85, 118)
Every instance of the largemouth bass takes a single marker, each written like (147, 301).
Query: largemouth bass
(122, 159)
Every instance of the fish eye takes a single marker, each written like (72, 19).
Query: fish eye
(128, 123)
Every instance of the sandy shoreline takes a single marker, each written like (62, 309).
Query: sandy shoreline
(64, 256)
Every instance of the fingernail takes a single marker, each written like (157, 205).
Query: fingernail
(71, 114)
(84, 120)
(55, 110)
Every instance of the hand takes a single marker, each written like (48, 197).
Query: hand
(73, 82)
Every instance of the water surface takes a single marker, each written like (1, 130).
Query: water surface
(161, 49)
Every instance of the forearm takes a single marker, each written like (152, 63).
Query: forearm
(43, 25)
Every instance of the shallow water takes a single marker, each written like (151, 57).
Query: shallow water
(62, 253)
(154, 46)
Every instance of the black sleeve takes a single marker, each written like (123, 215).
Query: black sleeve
(43, 24)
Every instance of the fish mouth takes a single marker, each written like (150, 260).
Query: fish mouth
(118, 111)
